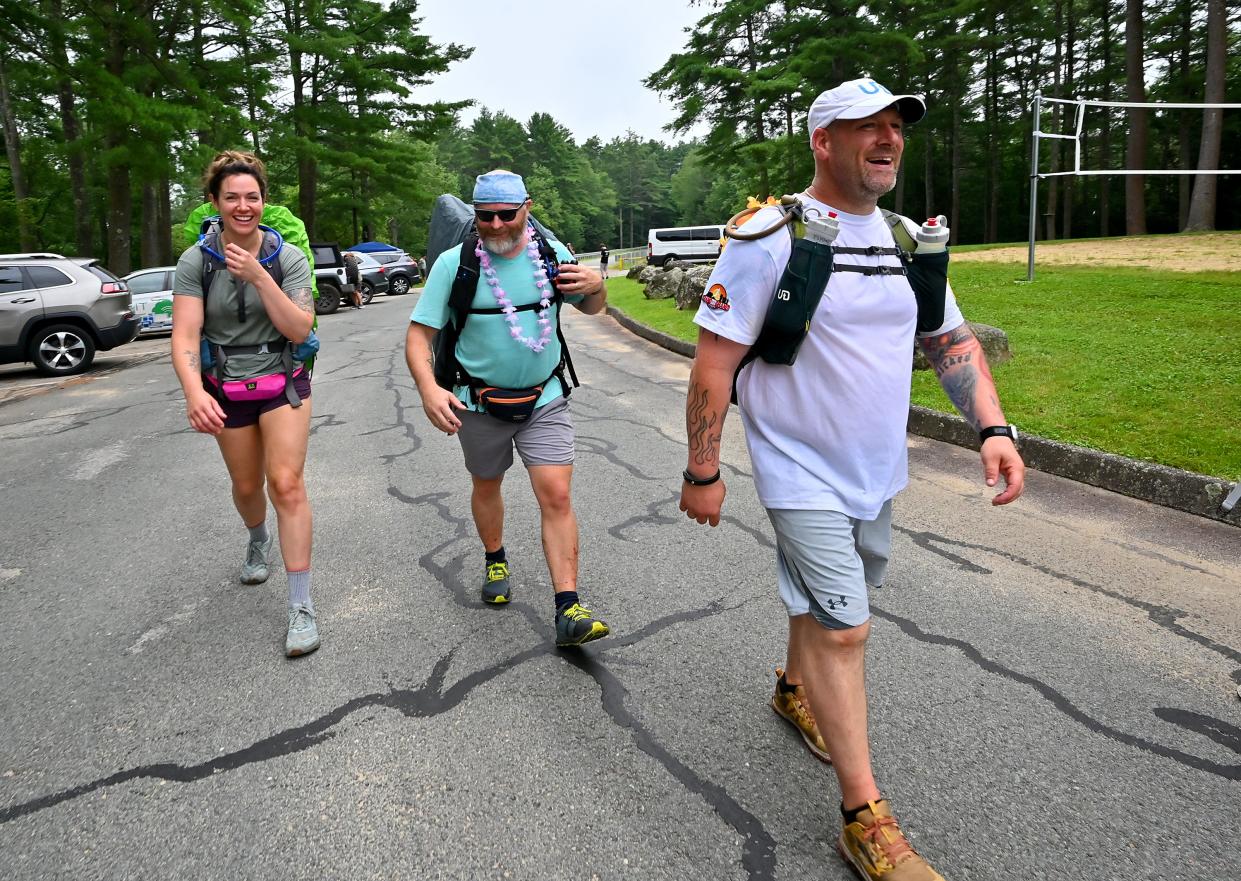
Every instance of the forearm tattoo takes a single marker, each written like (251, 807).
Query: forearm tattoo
(962, 371)
(703, 427)
(304, 299)
(191, 358)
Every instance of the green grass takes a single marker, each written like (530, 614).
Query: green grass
(1142, 363)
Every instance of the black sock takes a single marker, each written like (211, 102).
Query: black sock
(496, 556)
(565, 598)
(850, 814)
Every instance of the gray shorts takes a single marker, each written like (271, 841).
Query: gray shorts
(546, 438)
(827, 561)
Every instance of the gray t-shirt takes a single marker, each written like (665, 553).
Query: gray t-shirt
(220, 324)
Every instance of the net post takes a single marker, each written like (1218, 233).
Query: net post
(1034, 139)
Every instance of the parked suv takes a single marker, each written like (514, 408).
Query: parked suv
(329, 277)
(58, 311)
(401, 269)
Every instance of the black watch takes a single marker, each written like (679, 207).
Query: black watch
(1009, 431)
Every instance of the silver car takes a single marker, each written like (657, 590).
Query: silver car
(58, 311)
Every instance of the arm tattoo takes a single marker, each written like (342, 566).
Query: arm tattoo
(304, 299)
(961, 368)
(191, 359)
(704, 427)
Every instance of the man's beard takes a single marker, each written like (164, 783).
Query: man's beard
(874, 185)
(502, 244)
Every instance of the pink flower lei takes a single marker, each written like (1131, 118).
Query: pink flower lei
(541, 281)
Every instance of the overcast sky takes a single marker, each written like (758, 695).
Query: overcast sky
(582, 61)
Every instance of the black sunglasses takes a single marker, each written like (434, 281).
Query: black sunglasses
(506, 215)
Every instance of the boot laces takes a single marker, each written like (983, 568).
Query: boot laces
(886, 841)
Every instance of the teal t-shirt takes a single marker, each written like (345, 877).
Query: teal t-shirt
(486, 348)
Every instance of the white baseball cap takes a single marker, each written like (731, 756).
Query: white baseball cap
(858, 99)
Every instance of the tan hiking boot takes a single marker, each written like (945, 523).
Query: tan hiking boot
(876, 848)
(792, 705)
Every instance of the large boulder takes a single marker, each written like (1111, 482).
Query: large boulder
(690, 293)
(994, 345)
(665, 284)
(683, 265)
(646, 273)
(635, 271)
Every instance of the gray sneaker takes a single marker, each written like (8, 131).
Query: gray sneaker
(254, 569)
(303, 635)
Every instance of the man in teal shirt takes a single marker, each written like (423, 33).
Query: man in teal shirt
(509, 345)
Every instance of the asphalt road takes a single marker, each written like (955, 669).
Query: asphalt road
(1053, 685)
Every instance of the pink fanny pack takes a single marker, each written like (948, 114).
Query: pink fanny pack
(261, 388)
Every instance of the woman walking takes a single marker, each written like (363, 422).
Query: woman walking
(243, 312)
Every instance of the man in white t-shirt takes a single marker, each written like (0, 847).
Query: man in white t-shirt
(826, 436)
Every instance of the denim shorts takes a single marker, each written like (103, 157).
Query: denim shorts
(546, 438)
(828, 561)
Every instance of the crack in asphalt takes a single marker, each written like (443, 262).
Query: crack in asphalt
(411, 433)
(607, 450)
(758, 848)
(79, 421)
(1163, 616)
(1223, 733)
(1060, 701)
(332, 421)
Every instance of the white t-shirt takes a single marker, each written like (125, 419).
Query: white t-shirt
(828, 432)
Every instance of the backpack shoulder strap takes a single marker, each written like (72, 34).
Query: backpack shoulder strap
(448, 372)
(465, 283)
(900, 233)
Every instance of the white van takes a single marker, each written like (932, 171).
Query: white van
(684, 243)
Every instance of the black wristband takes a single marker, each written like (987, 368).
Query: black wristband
(700, 481)
(1008, 431)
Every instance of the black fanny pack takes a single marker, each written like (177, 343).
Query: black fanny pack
(508, 404)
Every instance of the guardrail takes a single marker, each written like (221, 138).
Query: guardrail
(621, 259)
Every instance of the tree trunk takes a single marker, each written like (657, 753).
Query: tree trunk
(1055, 147)
(1105, 147)
(149, 245)
(72, 132)
(992, 223)
(1184, 135)
(120, 197)
(954, 211)
(163, 205)
(928, 177)
(13, 147)
(1135, 93)
(1070, 61)
(1202, 204)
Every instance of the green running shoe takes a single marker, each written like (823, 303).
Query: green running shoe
(576, 625)
(254, 569)
(303, 635)
(496, 588)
